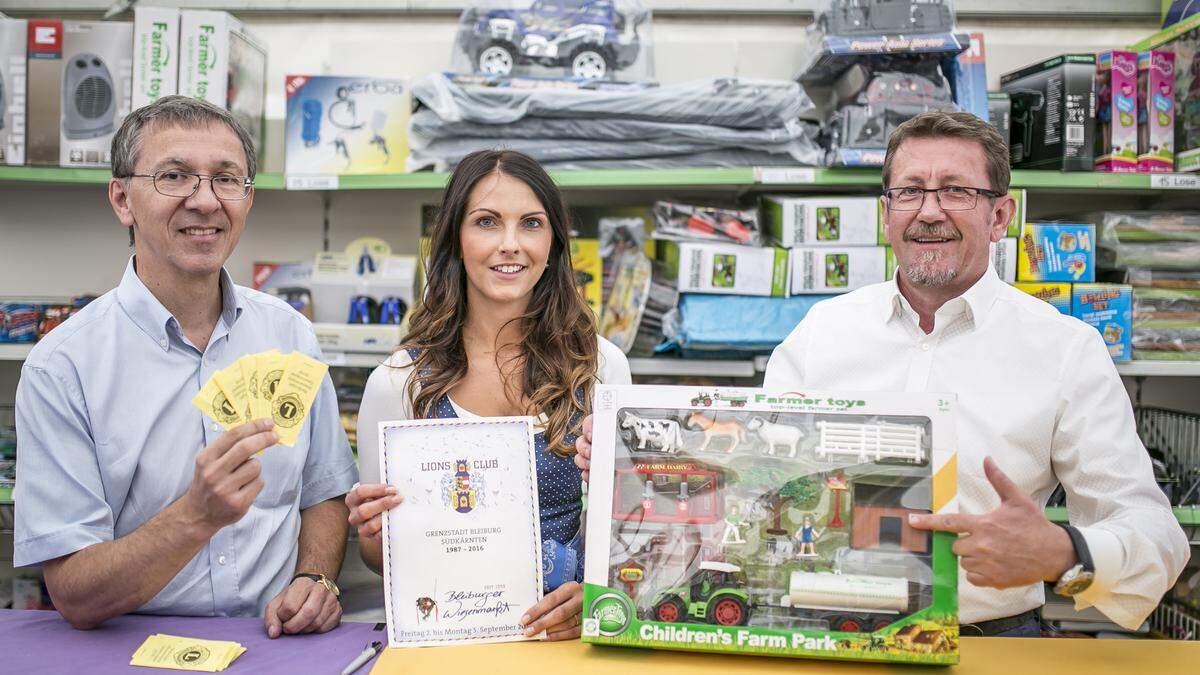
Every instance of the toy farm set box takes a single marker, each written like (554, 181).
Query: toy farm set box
(752, 522)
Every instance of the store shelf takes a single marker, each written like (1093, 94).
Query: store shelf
(1159, 368)
(354, 359)
(6, 495)
(1187, 515)
(14, 352)
(691, 367)
(651, 179)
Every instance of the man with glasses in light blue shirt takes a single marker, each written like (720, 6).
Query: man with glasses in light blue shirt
(129, 497)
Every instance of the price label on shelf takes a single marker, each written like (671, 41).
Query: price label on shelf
(312, 182)
(783, 175)
(1175, 181)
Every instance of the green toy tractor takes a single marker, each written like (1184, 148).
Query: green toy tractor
(715, 594)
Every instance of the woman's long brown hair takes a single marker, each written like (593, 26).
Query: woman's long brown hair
(557, 333)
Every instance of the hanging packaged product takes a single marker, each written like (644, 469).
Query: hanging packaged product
(1004, 258)
(1156, 112)
(1117, 112)
(80, 76)
(725, 268)
(821, 221)
(1057, 252)
(747, 521)
(582, 40)
(1053, 113)
(155, 54)
(1108, 308)
(818, 269)
(1057, 295)
(346, 125)
(686, 221)
(224, 64)
(12, 91)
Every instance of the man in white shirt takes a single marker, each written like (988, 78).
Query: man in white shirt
(1039, 399)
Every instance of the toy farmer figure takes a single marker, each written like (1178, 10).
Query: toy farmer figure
(734, 522)
(808, 536)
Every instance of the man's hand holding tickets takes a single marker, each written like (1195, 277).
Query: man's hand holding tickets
(270, 385)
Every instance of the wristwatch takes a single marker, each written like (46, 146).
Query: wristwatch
(322, 580)
(1076, 579)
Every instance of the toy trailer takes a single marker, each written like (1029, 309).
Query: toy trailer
(870, 442)
(850, 603)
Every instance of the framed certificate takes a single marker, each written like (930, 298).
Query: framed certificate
(462, 553)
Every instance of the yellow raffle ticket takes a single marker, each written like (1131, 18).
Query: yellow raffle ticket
(270, 371)
(295, 394)
(249, 366)
(212, 402)
(181, 653)
(231, 382)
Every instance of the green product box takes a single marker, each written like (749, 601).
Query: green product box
(821, 221)
(729, 269)
(818, 269)
(747, 521)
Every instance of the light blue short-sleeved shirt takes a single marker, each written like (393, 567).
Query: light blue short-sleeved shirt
(107, 437)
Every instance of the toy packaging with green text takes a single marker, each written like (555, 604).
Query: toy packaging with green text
(749, 521)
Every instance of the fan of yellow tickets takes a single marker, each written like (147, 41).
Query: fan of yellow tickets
(180, 653)
(269, 385)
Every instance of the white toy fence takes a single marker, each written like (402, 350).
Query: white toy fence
(870, 442)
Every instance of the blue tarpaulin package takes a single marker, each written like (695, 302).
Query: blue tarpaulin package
(740, 324)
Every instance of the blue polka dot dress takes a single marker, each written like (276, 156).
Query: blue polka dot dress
(560, 505)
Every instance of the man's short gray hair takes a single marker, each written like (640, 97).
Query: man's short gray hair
(173, 111)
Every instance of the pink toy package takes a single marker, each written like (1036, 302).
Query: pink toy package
(1116, 112)
(1156, 112)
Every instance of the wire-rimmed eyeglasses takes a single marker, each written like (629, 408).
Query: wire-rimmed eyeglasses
(226, 186)
(950, 198)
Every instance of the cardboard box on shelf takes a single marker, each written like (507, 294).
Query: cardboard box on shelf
(1057, 295)
(346, 125)
(224, 64)
(702, 267)
(1156, 112)
(817, 269)
(1004, 258)
(1109, 308)
(155, 54)
(1057, 252)
(1053, 113)
(12, 90)
(821, 221)
(1117, 111)
(1183, 40)
(79, 78)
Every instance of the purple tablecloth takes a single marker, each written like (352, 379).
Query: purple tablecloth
(34, 641)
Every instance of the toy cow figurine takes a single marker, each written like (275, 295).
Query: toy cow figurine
(665, 434)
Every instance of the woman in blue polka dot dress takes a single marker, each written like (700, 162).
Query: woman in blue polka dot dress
(502, 331)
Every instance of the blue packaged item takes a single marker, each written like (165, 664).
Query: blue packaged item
(1109, 308)
(736, 325)
(1059, 252)
(19, 321)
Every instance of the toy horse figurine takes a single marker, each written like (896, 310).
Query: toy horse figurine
(731, 430)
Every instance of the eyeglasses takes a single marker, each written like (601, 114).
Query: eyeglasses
(227, 187)
(950, 198)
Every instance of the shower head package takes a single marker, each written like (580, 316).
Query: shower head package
(12, 91)
(345, 125)
(79, 90)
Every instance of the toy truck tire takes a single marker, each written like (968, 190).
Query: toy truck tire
(669, 610)
(497, 58)
(728, 610)
(591, 63)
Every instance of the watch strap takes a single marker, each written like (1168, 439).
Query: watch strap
(320, 579)
(1081, 548)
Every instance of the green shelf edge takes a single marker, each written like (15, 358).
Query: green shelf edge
(1186, 515)
(632, 178)
(6, 495)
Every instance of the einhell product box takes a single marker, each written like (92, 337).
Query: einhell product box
(756, 522)
(1108, 307)
(346, 125)
(225, 65)
(1116, 112)
(1057, 252)
(12, 91)
(702, 267)
(79, 78)
(821, 221)
(839, 270)
(1156, 114)
(155, 54)
(1053, 113)
(1058, 295)
(1004, 258)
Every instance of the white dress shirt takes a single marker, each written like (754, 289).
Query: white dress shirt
(1038, 392)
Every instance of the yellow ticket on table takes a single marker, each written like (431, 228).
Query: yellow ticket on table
(182, 653)
(270, 371)
(231, 382)
(295, 395)
(213, 402)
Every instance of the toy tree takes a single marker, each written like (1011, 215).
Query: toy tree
(837, 485)
(799, 490)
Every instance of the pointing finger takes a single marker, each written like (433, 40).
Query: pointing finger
(945, 522)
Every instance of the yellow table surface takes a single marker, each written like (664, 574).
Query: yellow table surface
(1006, 656)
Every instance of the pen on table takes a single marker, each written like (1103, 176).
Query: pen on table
(366, 655)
